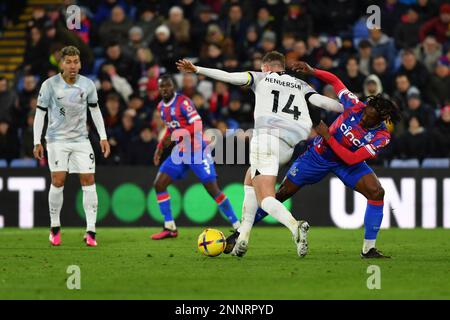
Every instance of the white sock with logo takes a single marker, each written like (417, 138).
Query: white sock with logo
(277, 210)
(90, 205)
(367, 245)
(55, 202)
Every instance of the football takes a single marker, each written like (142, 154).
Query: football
(211, 242)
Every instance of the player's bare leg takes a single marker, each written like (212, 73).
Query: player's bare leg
(90, 205)
(371, 188)
(162, 181)
(223, 203)
(55, 202)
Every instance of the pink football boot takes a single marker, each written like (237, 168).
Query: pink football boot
(89, 238)
(166, 233)
(55, 236)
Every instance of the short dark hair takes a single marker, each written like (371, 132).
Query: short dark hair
(274, 56)
(70, 51)
(166, 77)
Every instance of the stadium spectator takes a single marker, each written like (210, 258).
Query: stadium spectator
(234, 26)
(264, 21)
(238, 115)
(415, 70)
(381, 70)
(142, 148)
(402, 85)
(165, 49)
(8, 99)
(22, 108)
(429, 52)
(124, 133)
(417, 108)
(115, 28)
(36, 53)
(135, 41)
(27, 142)
(413, 142)
(391, 13)
(189, 85)
(179, 27)
(352, 78)
(439, 84)
(105, 9)
(441, 134)
(373, 86)
(364, 56)
(203, 109)
(268, 42)
(219, 100)
(148, 21)
(125, 66)
(113, 112)
(437, 26)
(297, 21)
(142, 113)
(200, 25)
(382, 44)
(407, 31)
(38, 18)
(9, 142)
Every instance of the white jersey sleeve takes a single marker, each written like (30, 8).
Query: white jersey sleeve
(92, 98)
(255, 78)
(44, 97)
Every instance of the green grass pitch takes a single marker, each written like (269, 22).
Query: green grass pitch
(128, 265)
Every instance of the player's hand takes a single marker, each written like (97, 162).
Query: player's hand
(157, 156)
(303, 67)
(186, 66)
(38, 151)
(106, 149)
(322, 130)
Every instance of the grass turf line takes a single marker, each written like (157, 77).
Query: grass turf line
(128, 265)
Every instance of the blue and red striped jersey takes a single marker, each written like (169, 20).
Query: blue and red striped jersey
(346, 129)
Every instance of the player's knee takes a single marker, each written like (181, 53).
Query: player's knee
(159, 186)
(376, 193)
(87, 180)
(58, 181)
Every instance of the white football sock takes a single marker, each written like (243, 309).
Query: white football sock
(367, 245)
(55, 202)
(170, 225)
(249, 208)
(90, 204)
(277, 210)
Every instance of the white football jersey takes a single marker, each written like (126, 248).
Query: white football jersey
(280, 104)
(67, 107)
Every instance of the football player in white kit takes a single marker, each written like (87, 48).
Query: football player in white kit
(281, 121)
(65, 98)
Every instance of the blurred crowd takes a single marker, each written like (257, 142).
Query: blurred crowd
(126, 45)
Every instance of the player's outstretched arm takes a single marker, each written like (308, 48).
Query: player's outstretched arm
(325, 76)
(325, 103)
(236, 78)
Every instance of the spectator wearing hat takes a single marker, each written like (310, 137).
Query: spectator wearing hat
(148, 21)
(268, 42)
(165, 49)
(115, 28)
(428, 52)
(437, 26)
(179, 27)
(407, 31)
(297, 21)
(415, 70)
(135, 41)
(373, 86)
(439, 84)
(441, 134)
(417, 108)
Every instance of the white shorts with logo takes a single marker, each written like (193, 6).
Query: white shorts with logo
(72, 157)
(267, 153)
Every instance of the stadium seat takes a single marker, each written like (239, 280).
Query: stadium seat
(23, 163)
(436, 163)
(3, 163)
(408, 163)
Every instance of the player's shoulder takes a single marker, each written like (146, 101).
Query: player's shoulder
(52, 80)
(86, 81)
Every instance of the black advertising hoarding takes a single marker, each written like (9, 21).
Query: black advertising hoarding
(413, 198)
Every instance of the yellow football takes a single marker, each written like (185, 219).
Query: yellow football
(211, 242)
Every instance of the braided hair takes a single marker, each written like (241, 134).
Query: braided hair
(386, 108)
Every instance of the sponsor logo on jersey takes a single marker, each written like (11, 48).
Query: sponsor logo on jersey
(347, 131)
